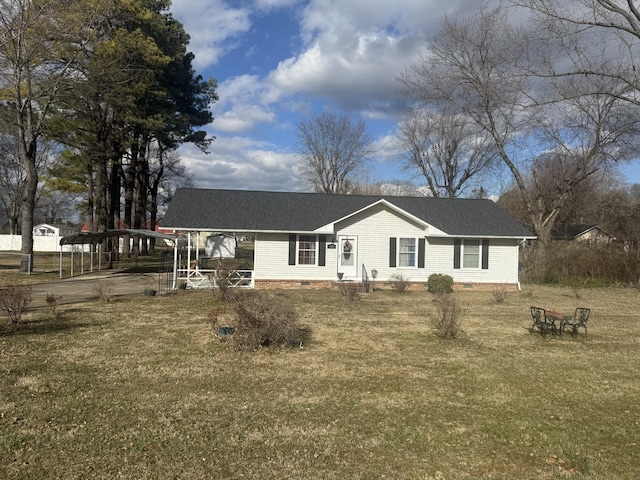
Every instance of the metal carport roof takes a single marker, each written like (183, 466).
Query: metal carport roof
(97, 237)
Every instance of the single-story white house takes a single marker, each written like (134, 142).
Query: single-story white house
(313, 240)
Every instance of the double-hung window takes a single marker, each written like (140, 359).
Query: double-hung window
(471, 254)
(406, 252)
(307, 251)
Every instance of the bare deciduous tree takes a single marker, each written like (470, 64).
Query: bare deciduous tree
(333, 148)
(596, 38)
(448, 150)
(484, 69)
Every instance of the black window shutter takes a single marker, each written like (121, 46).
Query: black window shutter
(421, 255)
(322, 253)
(457, 244)
(392, 252)
(485, 253)
(292, 249)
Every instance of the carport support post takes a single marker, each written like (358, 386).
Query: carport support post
(61, 261)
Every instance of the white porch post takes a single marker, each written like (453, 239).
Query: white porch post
(189, 254)
(175, 263)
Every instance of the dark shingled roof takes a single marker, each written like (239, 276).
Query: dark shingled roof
(244, 210)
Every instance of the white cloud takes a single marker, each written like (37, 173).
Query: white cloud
(350, 54)
(212, 27)
(242, 104)
(272, 4)
(243, 164)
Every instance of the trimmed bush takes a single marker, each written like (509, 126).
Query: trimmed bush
(440, 283)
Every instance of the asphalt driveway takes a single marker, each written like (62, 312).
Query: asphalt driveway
(81, 288)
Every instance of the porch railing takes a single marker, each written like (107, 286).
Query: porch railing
(207, 278)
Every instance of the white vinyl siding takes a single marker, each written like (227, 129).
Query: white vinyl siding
(373, 228)
(271, 260)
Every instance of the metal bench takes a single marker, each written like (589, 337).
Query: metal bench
(575, 321)
(542, 322)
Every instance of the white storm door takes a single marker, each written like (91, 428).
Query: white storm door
(348, 256)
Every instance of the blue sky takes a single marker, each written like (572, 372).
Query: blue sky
(276, 61)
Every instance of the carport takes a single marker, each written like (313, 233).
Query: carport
(97, 238)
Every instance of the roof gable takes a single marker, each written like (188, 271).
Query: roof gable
(245, 210)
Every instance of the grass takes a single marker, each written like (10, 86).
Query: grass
(140, 388)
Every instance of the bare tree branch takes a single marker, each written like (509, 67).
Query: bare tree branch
(333, 148)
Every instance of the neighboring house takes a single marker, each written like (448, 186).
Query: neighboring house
(308, 239)
(582, 233)
(51, 230)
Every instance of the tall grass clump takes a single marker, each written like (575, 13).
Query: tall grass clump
(52, 304)
(14, 299)
(447, 323)
(350, 290)
(499, 293)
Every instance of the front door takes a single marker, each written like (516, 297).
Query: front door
(347, 257)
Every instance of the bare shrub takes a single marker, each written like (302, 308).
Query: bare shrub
(221, 323)
(224, 291)
(399, 283)
(500, 293)
(52, 304)
(14, 299)
(104, 291)
(448, 320)
(265, 320)
(350, 290)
